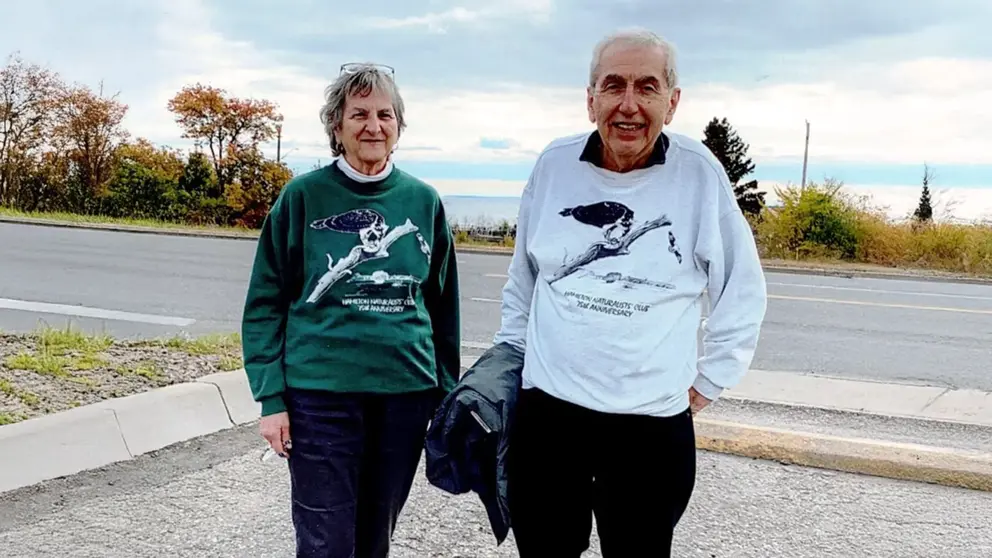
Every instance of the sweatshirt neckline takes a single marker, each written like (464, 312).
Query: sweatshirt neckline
(371, 187)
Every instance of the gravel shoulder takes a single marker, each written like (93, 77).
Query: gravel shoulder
(214, 497)
(53, 370)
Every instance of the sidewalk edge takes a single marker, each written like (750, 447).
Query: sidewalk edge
(928, 464)
(227, 404)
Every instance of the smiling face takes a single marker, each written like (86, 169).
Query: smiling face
(630, 103)
(368, 131)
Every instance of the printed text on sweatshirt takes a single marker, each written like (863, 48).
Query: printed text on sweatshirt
(608, 276)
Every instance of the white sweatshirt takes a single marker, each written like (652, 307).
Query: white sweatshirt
(607, 279)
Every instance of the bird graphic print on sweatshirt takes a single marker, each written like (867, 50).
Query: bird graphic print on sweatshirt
(374, 240)
(616, 221)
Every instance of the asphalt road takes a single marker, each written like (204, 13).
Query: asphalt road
(934, 333)
(213, 497)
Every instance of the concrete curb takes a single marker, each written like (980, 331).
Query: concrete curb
(948, 467)
(117, 430)
(114, 430)
(497, 251)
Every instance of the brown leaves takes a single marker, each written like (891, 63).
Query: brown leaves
(28, 92)
(256, 183)
(208, 114)
(91, 126)
(164, 160)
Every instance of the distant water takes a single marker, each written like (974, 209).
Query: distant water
(481, 210)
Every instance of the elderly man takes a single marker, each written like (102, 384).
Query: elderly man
(620, 232)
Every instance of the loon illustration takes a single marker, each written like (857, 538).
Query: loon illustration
(369, 224)
(606, 215)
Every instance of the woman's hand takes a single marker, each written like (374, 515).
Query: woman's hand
(275, 430)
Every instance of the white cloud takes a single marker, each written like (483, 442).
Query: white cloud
(930, 110)
(914, 111)
(923, 110)
(439, 21)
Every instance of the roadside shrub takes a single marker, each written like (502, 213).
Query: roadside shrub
(945, 246)
(816, 221)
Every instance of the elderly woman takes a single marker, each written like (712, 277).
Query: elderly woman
(351, 324)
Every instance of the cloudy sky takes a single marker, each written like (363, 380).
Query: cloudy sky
(886, 84)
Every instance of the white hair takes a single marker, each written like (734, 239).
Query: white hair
(363, 81)
(637, 36)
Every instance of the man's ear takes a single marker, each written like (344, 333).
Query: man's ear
(673, 105)
(589, 100)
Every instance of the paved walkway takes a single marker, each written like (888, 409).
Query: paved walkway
(214, 498)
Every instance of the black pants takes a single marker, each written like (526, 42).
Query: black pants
(567, 464)
(352, 464)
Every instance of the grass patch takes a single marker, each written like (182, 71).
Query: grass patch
(26, 397)
(10, 418)
(58, 352)
(147, 369)
(52, 370)
(104, 220)
(62, 341)
(43, 363)
(230, 363)
(89, 361)
(214, 344)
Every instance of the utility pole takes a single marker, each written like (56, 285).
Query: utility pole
(278, 143)
(806, 154)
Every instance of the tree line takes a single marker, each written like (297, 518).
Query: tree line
(64, 148)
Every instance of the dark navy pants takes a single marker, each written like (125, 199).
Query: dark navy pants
(352, 463)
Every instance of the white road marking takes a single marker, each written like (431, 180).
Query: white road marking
(100, 313)
(881, 291)
(476, 345)
(497, 275)
(881, 304)
(490, 300)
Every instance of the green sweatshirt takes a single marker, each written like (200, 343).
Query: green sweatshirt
(354, 288)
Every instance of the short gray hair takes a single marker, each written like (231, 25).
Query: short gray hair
(367, 78)
(637, 36)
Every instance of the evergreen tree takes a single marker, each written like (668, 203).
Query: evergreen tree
(731, 151)
(924, 211)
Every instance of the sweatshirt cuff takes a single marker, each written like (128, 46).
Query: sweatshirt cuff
(273, 405)
(706, 388)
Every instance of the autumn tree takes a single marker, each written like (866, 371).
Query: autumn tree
(164, 160)
(255, 186)
(145, 182)
(721, 138)
(28, 94)
(224, 124)
(91, 126)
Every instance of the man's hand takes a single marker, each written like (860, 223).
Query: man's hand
(696, 401)
(275, 430)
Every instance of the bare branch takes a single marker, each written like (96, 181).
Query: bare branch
(604, 249)
(356, 256)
